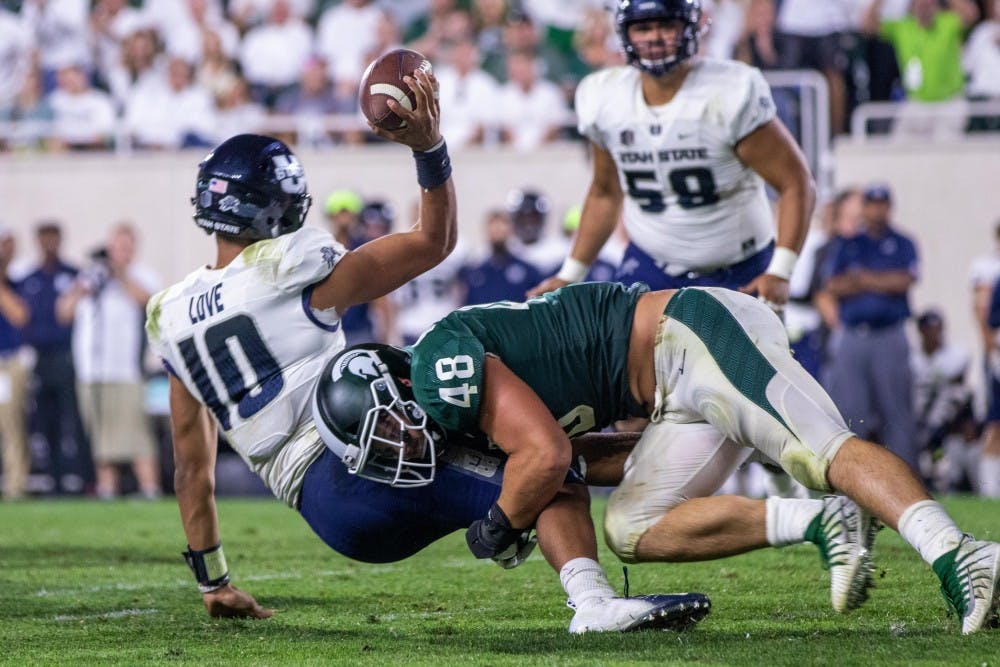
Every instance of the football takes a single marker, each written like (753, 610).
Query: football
(383, 80)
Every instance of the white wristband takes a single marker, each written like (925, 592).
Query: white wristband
(573, 270)
(782, 262)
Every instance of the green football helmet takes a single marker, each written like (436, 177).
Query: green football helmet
(364, 410)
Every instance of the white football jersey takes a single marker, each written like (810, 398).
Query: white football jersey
(430, 296)
(689, 201)
(245, 342)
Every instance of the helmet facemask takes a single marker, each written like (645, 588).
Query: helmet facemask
(395, 445)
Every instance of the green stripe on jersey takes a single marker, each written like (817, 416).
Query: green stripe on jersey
(740, 360)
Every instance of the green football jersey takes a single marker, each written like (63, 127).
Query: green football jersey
(570, 346)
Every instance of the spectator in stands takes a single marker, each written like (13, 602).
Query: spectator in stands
(502, 276)
(215, 70)
(428, 30)
(557, 23)
(83, 117)
(61, 35)
(345, 35)
(529, 214)
(272, 54)
(981, 62)
(248, 14)
(186, 37)
(725, 20)
(756, 43)
(928, 46)
(15, 58)
(171, 111)
(106, 307)
(140, 54)
(111, 21)
(32, 113)
(984, 275)
(469, 95)
(811, 35)
(14, 315)
(532, 110)
(489, 18)
(312, 98)
(596, 43)
(235, 112)
(54, 377)
(869, 379)
(942, 405)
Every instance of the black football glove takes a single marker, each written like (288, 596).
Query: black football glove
(491, 536)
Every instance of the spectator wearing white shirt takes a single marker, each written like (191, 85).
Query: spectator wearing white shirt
(185, 37)
(981, 59)
(171, 111)
(139, 60)
(345, 35)
(15, 57)
(273, 54)
(61, 34)
(250, 13)
(82, 116)
(235, 112)
(111, 21)
(532, 111)
(468, 96)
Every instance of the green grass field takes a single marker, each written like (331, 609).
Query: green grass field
(85, 582)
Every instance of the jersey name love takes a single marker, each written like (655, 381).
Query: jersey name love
(206, 304)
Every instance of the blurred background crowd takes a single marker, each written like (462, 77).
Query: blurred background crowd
(83, 406)
(163, 74)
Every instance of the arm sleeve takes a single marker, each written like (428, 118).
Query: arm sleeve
(586, 104)
(447, 375)
(752, 107)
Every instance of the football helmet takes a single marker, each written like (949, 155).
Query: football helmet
(364, 410)
(686, 11)
(528, 211)
(251, 187)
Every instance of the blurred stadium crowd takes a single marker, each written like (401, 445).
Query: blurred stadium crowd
(164, 74)
(171, 74)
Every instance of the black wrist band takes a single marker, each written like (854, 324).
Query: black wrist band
(433, 166)
(209, 567)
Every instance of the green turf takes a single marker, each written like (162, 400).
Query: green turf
(86, 582)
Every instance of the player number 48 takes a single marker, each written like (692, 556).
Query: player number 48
(459, 367)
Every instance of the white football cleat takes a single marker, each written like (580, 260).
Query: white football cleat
(668, 612)
(844, 533)
(969, 577)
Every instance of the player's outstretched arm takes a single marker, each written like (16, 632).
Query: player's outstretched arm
(601, 210)
(382, 265)
(539, 456)
(771, 151)
(194, 484)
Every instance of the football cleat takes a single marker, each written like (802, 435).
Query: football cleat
(664, 612)
(844, 533)
(969, 577)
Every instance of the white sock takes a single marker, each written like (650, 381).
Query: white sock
(989, 476)
(584, 578)
(788, 518)
(929, 530)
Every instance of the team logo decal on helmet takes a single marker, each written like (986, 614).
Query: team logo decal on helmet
(251, 187)
(688, 12)
(364, 410)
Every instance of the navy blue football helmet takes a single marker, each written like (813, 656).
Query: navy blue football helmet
(686, 11)
(364, 410)
(251, 187)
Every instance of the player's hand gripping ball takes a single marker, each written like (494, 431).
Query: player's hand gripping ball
(383, 81)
